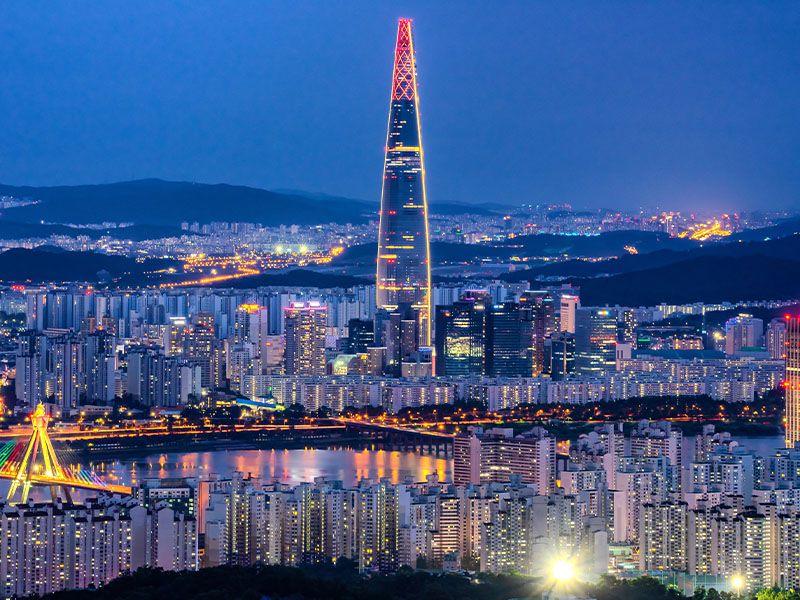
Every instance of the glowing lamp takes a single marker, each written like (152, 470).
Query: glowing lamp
(737, 582)
(562, 571)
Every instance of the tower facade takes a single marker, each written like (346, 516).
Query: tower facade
(404, 270)
(792, 381)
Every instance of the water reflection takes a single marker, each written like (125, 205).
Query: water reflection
(289, 466)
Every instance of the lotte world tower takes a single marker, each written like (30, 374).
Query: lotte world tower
(404, 269)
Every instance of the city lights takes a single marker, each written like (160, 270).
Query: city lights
(564, 399)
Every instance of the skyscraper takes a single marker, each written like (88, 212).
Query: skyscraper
(568, 304)
(595, 339)
(559, 355)
(508, 338)
(461, 337)
(538, 308)
(792, 381)
(360, 335)
(404, 270)
(776, 339)
(305, 324)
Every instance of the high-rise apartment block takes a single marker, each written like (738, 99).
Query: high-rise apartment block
(501, 456)
(305, 325)
(744, 331)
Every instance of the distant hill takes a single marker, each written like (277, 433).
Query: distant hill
(611, 243)
(14, 230)
(704, 278)
(785, 247)
(295, 278)
(437, 208)
(605, 244)
(441, 252)
(168, 203)
(158, 202)
(784, 228)
(20, 265)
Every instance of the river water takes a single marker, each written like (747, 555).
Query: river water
(289, 466)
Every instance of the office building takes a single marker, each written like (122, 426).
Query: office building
(568, 306)
(508, 341)
(559, 355)
(595, 340)
(461, 337)
(360, 336)
(537, 308)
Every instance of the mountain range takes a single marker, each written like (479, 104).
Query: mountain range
(713, 273)
(780, 248)
(168, 203)
(158, 202)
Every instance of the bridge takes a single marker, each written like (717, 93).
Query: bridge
(404, 438)
(34, 462)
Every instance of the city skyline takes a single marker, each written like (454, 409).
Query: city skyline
(581, 106)
(533, 401)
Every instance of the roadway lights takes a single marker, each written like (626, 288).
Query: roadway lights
(737, 583)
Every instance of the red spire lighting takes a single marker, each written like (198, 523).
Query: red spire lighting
(403, 80)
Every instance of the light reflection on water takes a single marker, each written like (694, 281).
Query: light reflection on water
(299, 465)
(289, 466)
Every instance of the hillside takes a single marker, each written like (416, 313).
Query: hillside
(704, 278)
(605, 244)
(20, 265)
(158, 202)
(612, 243)
(774, 248)
(782, 229)
(441, 253)
(15, 230)
(168, 203)
(295, 278)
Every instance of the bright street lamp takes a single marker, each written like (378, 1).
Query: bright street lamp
(562, 571)
(737, 583)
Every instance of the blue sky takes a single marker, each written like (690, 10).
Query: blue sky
(677, 104)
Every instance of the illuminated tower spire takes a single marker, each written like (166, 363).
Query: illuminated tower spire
(404, 269)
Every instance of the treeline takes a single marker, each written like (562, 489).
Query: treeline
(342, 582)
(318, 583)
(765, 409)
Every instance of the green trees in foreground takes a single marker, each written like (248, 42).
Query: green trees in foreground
(342, 582)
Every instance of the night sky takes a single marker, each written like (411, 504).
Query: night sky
(680, 105)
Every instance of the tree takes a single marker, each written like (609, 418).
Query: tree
(295, 411)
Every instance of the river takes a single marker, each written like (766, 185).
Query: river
(289, 466)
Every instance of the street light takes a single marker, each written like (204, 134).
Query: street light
(562, 571)
(737, 583)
